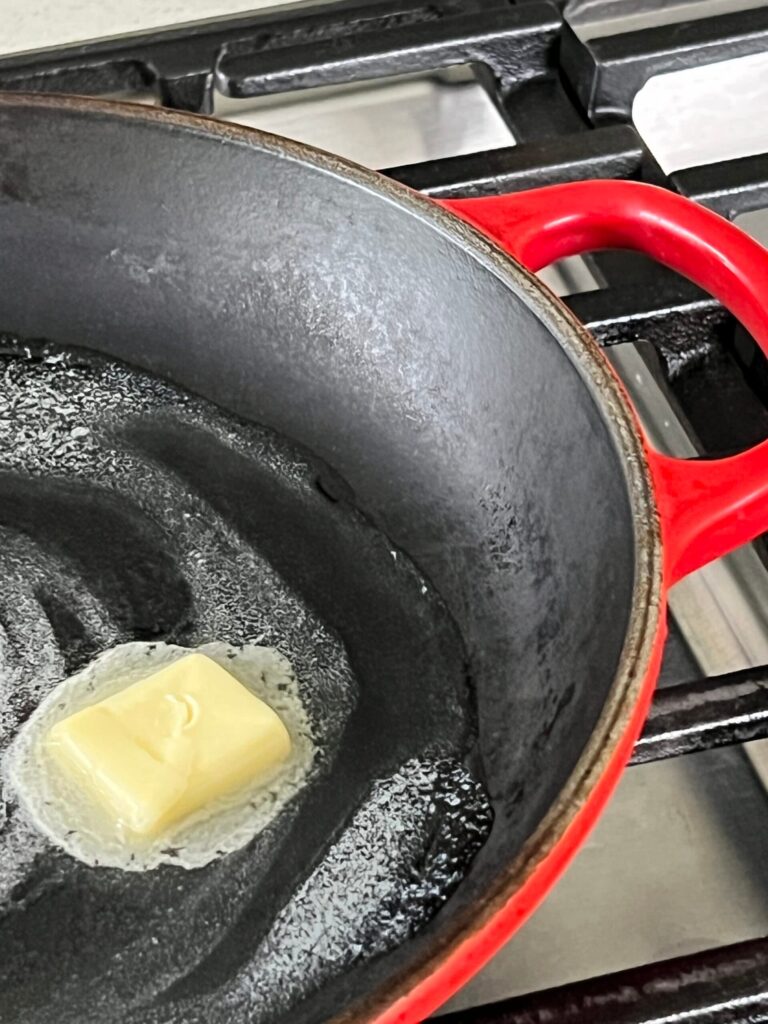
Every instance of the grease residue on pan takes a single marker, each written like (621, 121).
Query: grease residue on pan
(130, 511)
(99, 545)
(62, 811)
(430, 813)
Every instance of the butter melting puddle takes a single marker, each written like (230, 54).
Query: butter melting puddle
(66, 811)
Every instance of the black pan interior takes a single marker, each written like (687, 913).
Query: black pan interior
(294, 295)
(162, 519)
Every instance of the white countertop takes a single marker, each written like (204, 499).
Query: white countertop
(35, 24)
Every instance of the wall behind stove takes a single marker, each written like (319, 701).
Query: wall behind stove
(32, 26)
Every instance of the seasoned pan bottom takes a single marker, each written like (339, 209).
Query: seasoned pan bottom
(131, 510)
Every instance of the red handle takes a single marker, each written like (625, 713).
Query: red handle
(707, 507)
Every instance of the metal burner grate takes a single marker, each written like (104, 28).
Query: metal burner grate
(724, 986)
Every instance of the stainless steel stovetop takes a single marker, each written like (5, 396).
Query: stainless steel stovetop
(678, 864)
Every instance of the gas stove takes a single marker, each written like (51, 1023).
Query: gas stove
(664, 915)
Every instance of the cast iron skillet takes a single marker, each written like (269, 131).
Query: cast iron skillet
(473, 419)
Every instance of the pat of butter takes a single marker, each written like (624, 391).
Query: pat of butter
(167, 746)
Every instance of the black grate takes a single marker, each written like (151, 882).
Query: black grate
(723, 986)
(613, 152)
(608, 72)
(568, 105)
(263, 54)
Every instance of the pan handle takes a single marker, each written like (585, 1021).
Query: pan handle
(707, 507)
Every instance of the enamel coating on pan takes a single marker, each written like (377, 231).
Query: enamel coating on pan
(707, 508)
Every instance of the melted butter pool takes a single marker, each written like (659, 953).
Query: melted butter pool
(67, 815)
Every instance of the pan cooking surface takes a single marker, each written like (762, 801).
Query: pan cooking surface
(130, 510)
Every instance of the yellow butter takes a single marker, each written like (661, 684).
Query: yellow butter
(167, 746)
